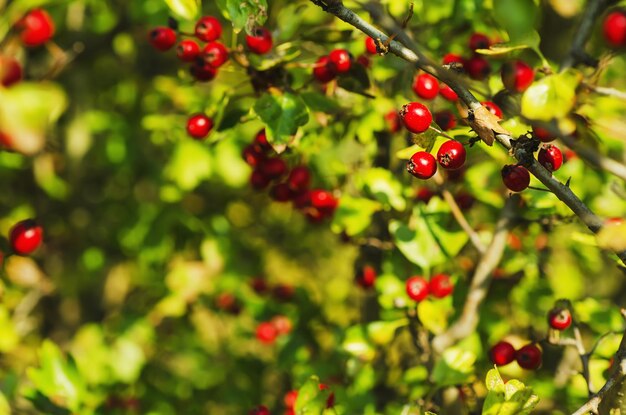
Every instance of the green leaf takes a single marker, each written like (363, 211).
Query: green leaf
(384, 186)
(434, 315)
(383, 332)
(455, 367)
(311, 400)
(244, 14)
(357, 344)
(551, 97)
(518, 17)
(389, 288)
(186, 9)
(320, 103)
(282, 114)
(354, 215)
(510, 398)
(426, 140)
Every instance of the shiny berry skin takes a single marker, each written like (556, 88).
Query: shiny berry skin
(392, 119)
(422, 165)
(528, 357)
(340, 60)
(477, 68)
(323, 200)
(266, 332)
(10, 71)
(517, 76)
(259, 410)
(559, 319)
(416, 117)
(323, 72)
(261, 42)
(299, 179)
(515, 178)
(614, 29)
(202, 71)
(215, 54)
(199, 126)
(366, 277)
(452, 58)
(440, 286)
(550, 157)
(426, 86)
(542, 134)
(370, 46)
(451, 155)
(187, 50)
(25, 237)
(258, 180)
(208, 29)
(493, 108)
(479, 41)
(162, 38)
(36, 28)
(273, 168)
(502, 353)
(445, 119)
(417, 288)
(253, 155)
(448, 93)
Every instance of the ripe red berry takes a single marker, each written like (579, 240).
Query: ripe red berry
(280, 192)
(215, 54)
(516, 178)
(448, 93)
(187, 50)
(259, 285)
(417, 288)
(290, 398)
(559, 318)
(162, 38)
(228, 303)
(258, 180)
(517, 76)
(529, 357)
(266, 332)
(10, 71)
(542, 134)
(260, 42)
(440, 286)
(302, 200)
(445, 119)
(477, 67)
(452, 58)
(273, 167)
(36, 28)
(424, 194)
(370, 46)
(422, 165)
(502, 353)
(202, 71)
(208, 29)
(451, 155)
(364, 61)
(282, 324)
(426, 86)
(25, 237)
(323, 200)
(550, 157)
(260, 410)
(199, 126)
(393, 121)
(253, 155)
(614, 29)
(323, 71)
(416, 117)
(260, 140)
(465, 200)
(340, 60)
(299, 179)
(493, 108)
(479, 41)
(366, 277)
(283, 292)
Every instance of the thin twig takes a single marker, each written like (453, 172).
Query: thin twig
(602, 90)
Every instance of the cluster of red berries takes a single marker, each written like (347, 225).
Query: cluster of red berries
(439, 286)
(268, 331)
(366, 277)
(281, 292)
(316, 204)
(451, 156)
(528, 357)
(328, 67)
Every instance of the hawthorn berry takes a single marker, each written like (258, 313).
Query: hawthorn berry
(370, 46)
(366, 277)
(448, 93)
(215, 54)
(260, 410)
(266, 332)
(393, 121)
(202, 71)
(260, 140)
(187, 50)
(445, 120)
(479, 41)
(302, 200)
(228, 303)
(208, 29)
(162, 38)
(515, 178)
(440, 286)
(280, 192)
(542, 134)
(465, 200)
(529, 357)
(502, 353)
(25, 236)
(258, 180)
(340, 60)
(199, 126)
(364, 61)
(416, 117)
(451, 155)
(273, 167)
(614, 29)
(322, 71)
(299, 179)
(424, 194)
(450, 58)
(323, 200)
(330, 401)
(10, 71)
(493, 108)
(477, 68)
(282, 324)
(550, 157)
(417, 288)
(260, 42)
(422, 165)
(426, 86)
(283, 292)
(559, 318)
(517, 76)
(253, 155)
(259, 285)
(290, 398)
(36, 28)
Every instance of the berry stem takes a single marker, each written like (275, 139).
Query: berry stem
(442, 133)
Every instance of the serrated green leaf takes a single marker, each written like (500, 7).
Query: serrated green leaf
(282, 114)
(494, 380)
(185, 9)
(244, 14)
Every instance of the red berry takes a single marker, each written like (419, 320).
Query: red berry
(330, 402)
(258, 180)
(260, 42)
(364, 61)
(445, 119)
(273, 167)
(366, 277)
(260, 140)
(493, 108)
(208, 29)
(426, 86)
(422, 165)
(253, 155)
(479, 41)
(283, 292)
(477, 67)
(464, 200)
(25, 237)
(517, 76)
(227, 302)
(340, 60)
(280, 192)
(393, 121)
(323, 200)
(202, 71)
(451, 155)
(10, 71)
(417, 288)
(502, 353)
(323, 72)
(259, 285)
(542, 134)
(299, 179)
(370, 46)
(5, 140)
(452, 58)
(290, 398)
(516, 178)
(36, 28)
(260, 410)
(162, 38)
(282, 324)
(614, 29)
(440, 286)
(416, 117)
(424, 194)
(528, 357)
(302, 200)
(550, 157)
(187, 50)
(215, 54)
(199, 126)
(266, 332)
(613, 221)
(559, 318)
(447, 92)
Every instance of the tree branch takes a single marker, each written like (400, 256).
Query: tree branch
(599, 160)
